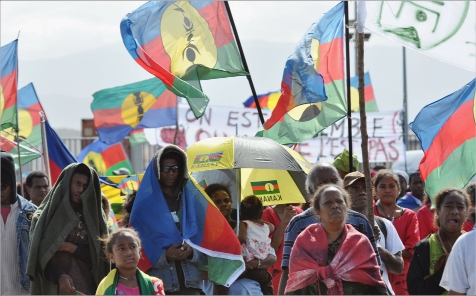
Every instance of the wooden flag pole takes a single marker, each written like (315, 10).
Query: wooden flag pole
(347, 70)
(245, 65)
(363, 128)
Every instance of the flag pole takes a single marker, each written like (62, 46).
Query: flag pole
(45, 145)
(245, 65)
(17, 138)
(405, 106)
(17, 128)
(363, 127)
(347, 70)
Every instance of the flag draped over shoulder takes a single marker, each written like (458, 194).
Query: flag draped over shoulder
(27, 154)
(182, 43)
(8, 85)
(447, 133)
(266, 101)
(315, 71)
(370, 103)
(444, 30)
(59, 156)
(104, 158)
(119, 110)
(203, 227)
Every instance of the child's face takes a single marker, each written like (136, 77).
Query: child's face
(125, 251)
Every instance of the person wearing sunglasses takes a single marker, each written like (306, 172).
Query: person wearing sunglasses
(158, 216)
(15, 223)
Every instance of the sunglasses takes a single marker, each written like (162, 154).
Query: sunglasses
(4, 186)
(166, 168)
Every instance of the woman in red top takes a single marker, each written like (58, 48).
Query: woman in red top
(387, 188)
(279, 216)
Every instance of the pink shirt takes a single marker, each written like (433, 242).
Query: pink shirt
(5, 212)
(123, 290)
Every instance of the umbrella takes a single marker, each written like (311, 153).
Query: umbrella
(272, 172)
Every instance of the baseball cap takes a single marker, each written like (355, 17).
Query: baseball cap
(350, 178)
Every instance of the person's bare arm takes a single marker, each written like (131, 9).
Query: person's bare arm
(263, 264)
(393, 262)
(243, 232)
(283, 281)
(278, 236)
(406, 254)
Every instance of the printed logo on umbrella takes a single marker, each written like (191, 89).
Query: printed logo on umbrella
(211, 157)
(207, 160)
(265, 187)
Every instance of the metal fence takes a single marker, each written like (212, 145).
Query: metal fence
(140, 155)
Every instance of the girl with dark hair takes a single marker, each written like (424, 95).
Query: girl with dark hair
(256, 244)
(431, 253)
(387, 188)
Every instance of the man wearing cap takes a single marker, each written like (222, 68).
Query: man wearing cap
(389, 244)
(15, 224)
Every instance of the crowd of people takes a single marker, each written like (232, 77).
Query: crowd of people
(57, 241)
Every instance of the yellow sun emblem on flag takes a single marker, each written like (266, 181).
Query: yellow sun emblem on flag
(25, 122)
(135, 106)
(95, 160)
(187, 38)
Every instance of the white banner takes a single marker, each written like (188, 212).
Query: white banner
(217, 121)
(384, 130)
(444, 30)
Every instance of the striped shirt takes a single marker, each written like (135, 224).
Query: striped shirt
(10, 282)
(300, 222)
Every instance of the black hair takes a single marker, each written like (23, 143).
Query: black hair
(83, 170)
(440, 198)
(413, 175)
(385, 173)
(318, 195)
(106, 207)
(109, 240)
(212, 188)
(251, 208)
(471, 190)
(127, 207)
(379, 167)
(34, 174)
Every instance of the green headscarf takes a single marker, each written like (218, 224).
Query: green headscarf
(341, 162)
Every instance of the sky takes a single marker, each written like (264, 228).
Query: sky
(72, 49)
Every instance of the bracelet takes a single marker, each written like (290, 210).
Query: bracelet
(259, 264)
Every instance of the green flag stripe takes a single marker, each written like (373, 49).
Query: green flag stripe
(114, 97)
(457, 170)
(261, 183)
(9, 118)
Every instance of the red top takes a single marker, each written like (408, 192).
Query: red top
(270, 215)
(408, 230)
(425, 220)
(468, 226)
(5, 212)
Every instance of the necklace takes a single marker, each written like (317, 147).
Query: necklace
(127, 279)
(389, 217)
